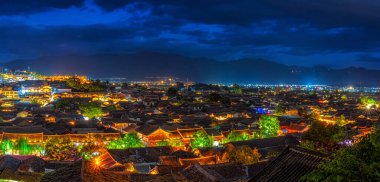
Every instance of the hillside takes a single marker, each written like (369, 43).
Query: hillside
(138, 66)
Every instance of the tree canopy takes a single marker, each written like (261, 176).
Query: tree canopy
(130, 140)
(60, 149)
(236, 136)
(269, 125)
(91, 110)
(215, 97)
(202, 86)
(360, 162)
(6, 146)
(23, 147)
(92, 86)
(323, 137)
(236, 89)
(367, 101)
(244, 155)
(341, 120)
(280, 110)
(172, 92)
(201, 140)
(69, 103)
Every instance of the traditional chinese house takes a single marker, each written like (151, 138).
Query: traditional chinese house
(152, 134)
(295, 128)
(89, 95)
(34, 135)
(188, 134)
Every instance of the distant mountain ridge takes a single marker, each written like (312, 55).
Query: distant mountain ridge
(137, 66)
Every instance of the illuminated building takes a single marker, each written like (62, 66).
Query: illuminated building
(40, 138)
(62, 78)
(9, 93)
(92, 95)
(188, 134)
(152, 134)
(34, 87)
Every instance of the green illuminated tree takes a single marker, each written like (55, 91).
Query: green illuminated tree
(341, 120)
(244, 155)
(91, 110)
(236, 136)
(60, 149)
(255, 135)
(201, 140)
(23, 146)
(367, 101)
(130, 140)
(269, 125)
(6, 146)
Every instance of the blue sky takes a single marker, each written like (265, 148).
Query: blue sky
(332, 33)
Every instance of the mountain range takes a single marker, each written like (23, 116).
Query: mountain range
(139, 66)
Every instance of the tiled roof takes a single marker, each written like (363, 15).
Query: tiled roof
(162, 178)
(169, 160)
(282, 141)
(9, 162)
(188, 133)
(254, 169)
(290, 165)
(31, 129)
(200, 160)
(147, 129)
(229, 171)
(244, 131)
(212, 132)
(183, 154)
(197, 173)
(146, 154)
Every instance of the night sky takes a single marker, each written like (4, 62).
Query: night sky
(336, 33)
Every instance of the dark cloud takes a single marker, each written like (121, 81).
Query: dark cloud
(59, 40)
(326, 13)
(220, 29)
(16, 7)
(368, 59)
(302, 27)
(110, 5)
